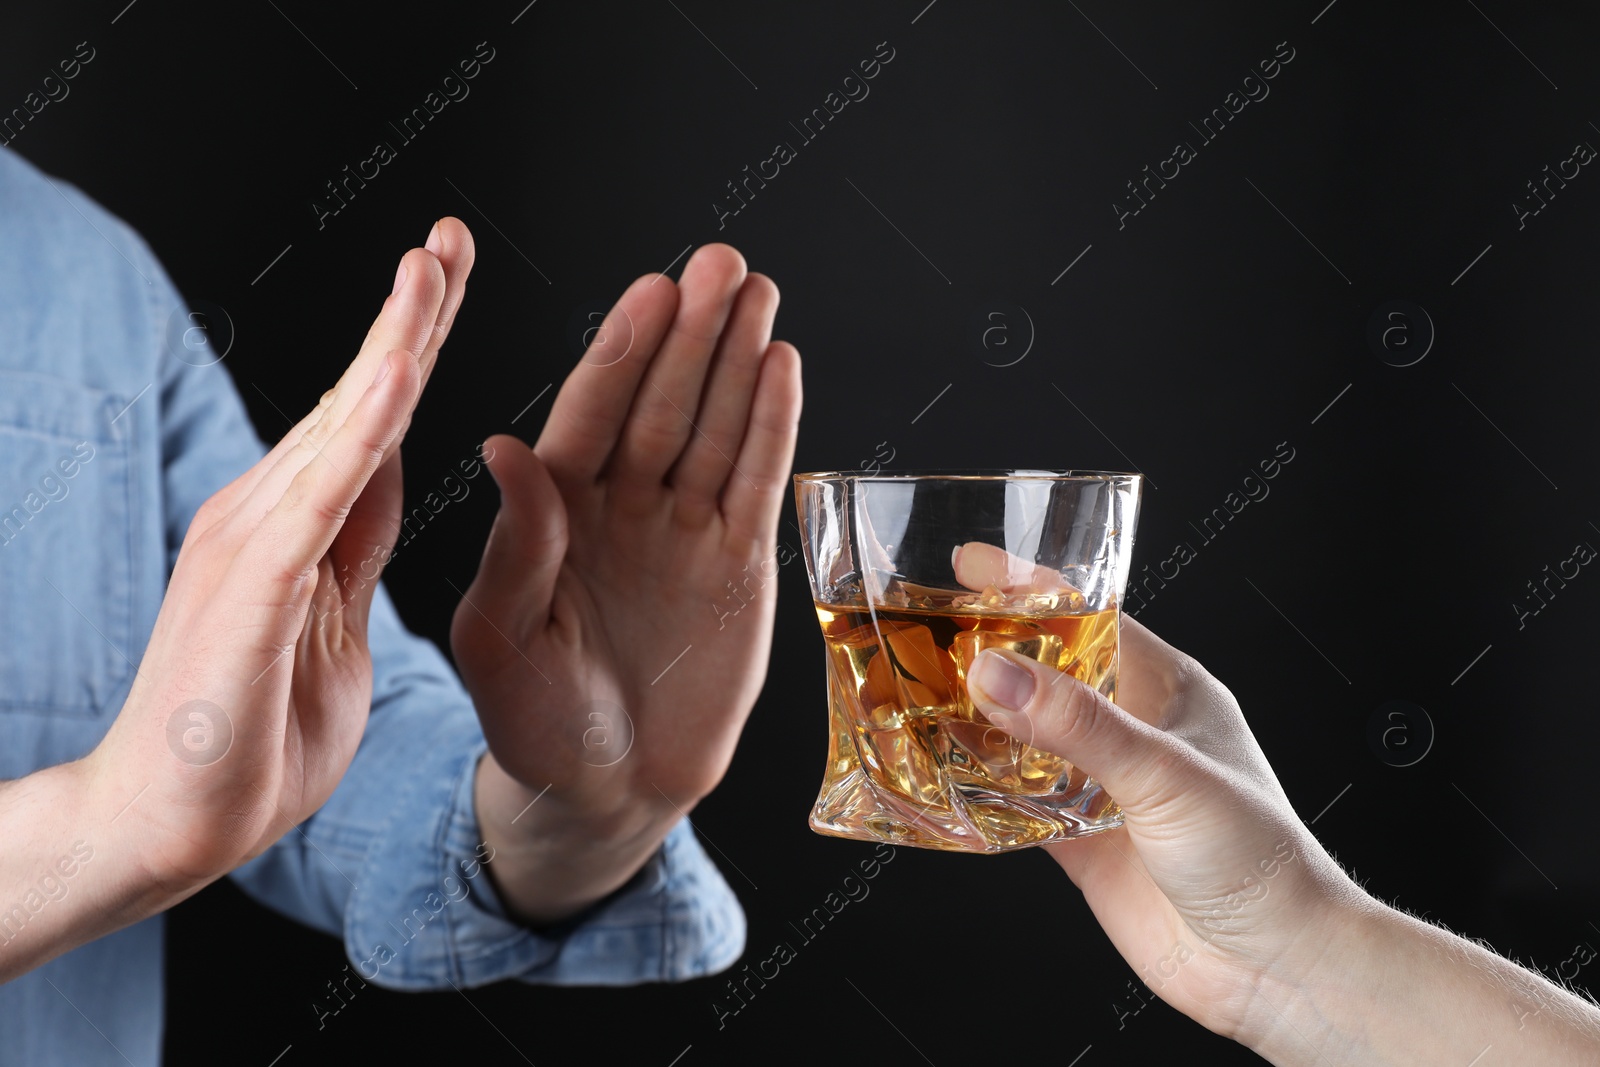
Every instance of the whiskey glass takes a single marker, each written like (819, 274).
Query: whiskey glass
(913, 575)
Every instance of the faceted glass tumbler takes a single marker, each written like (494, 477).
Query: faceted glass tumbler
(913, 575)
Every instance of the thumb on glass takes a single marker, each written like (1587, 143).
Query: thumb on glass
(1139, 765)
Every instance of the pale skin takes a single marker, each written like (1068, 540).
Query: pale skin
(615, 535)
(1224, 903)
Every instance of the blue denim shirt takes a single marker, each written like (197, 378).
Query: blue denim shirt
(91, 382)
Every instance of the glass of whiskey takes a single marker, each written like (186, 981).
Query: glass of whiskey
(913, 575)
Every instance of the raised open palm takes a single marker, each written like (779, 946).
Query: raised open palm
(617, 632)
(254, 689)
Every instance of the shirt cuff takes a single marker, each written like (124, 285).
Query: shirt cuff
(425, 916)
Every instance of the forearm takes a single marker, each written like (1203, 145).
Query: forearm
(547, 864)
(67, 875)
(1391, 989)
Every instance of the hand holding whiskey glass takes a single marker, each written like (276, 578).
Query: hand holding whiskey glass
(1226, 905)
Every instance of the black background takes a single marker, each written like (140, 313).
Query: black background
(1218, 323)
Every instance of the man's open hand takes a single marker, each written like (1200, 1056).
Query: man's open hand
(255, 686)
(610, 684)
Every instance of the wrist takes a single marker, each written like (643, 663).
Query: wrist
(69, 874)
(532, 819)
(1307, 1006)
(137, 882)
(551, 857)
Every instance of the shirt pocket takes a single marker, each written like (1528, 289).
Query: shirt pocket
(66, 546)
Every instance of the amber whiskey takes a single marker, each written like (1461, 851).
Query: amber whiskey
(910, 760)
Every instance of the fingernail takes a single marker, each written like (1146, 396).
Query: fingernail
(399, 278)
(1001, 681)
(955, 557)
(434, 244)
(383, 368)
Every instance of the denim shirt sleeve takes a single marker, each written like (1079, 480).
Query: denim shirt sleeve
(392, 862)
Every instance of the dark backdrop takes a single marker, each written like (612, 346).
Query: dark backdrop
(961, 217)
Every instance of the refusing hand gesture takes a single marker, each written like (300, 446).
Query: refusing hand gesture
(255, 686)
(610, 665)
